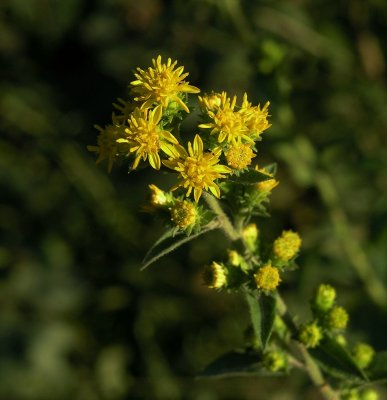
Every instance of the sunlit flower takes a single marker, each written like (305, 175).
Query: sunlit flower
(107, 146)
(226, 122)
(255, 117)
(161, 84)
(198, 169)
(211, 102)
(146, 138)
(239, 155)
(158, 197)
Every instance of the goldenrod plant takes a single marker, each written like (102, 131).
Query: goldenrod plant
(215, 168)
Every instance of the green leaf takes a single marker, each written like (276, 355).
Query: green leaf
(262, 313)
(377, 371)
(250, 177)
(237, 363)
(336, 360)
(170, 241)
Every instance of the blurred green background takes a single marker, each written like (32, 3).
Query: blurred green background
(78, 319)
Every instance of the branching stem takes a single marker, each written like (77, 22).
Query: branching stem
(308, 364)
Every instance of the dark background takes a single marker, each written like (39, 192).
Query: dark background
(78, 319)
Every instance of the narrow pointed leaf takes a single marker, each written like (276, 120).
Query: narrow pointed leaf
(336, 361)
(377, 371)
(236, 363)
(250, 177)
(171, 241)
(262, 313)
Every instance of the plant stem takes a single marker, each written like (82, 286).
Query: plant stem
(309, 365)
(223, 219)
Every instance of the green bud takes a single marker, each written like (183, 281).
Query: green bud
(250, 236)
(324, 298)
(350, 394)
(340, 339)
(369, 394)
(310, 335)
(337, 318)
(363, 354)
(275, 361)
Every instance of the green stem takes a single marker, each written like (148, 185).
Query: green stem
(223, 219)
(310, 365)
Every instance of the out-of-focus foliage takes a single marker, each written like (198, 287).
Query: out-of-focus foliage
(78, 319)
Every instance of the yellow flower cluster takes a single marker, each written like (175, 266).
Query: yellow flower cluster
(145, 130)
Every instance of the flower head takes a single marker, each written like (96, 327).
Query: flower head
(146, 138)
(267, 278)
(226, 122)
(324, 298)
(363, 354)
(239, 155)
(255, 117)
(183, 213)
(210, 102)
(310, 335)
(107, 146)
(275, 361)
(214, 276)
(337, 318)
(287, 245)
(161, 84)
(198, 169)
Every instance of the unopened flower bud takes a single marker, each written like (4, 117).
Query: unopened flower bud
(275, 361)
(250, 236)
(214, 276)
(158, 198)
(369, 394)
(310, 335)
(337, 318)
(287, 245)
(324, 298)
(363, 354)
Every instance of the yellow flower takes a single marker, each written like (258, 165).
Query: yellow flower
(268, 185)
(210, 102)
(183, 214)
(239, 155)
(107, 146)
(146, 138)
(198, 169)
(255, 117)
(214, 276)
(161, 84)
(287, 245)
(267, 277)
(227, 123)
